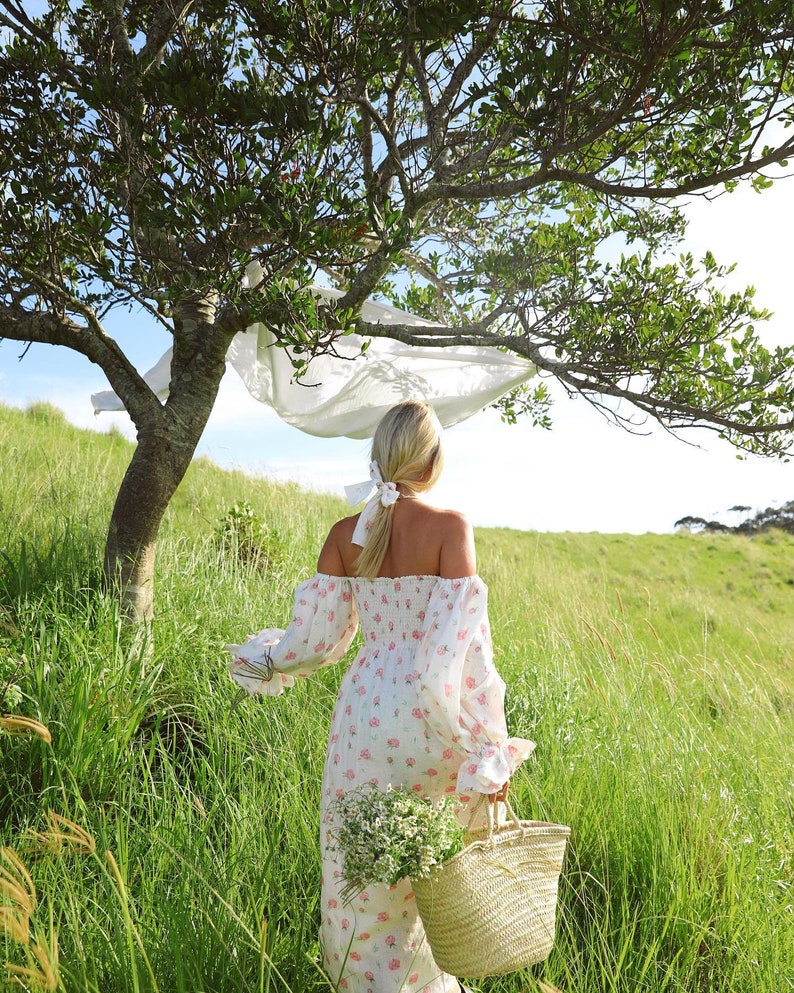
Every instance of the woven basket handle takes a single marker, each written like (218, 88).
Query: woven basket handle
(491, 814)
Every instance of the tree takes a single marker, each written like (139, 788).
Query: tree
(509, 169)
(772, 518)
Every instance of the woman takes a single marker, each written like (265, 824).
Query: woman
(421, 706)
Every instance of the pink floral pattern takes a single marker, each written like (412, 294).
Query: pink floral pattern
(421, 707)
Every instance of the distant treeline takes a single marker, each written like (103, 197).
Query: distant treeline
(781, 518)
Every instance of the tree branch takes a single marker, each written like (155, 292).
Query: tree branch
(578, 378)
(392, 165)
(114, 10)
(166, 20)
(22, 20)
(48, 328)
(503, 189)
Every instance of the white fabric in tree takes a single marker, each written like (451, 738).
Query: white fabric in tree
(347, 394)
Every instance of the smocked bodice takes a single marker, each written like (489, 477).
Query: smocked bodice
(393, 610)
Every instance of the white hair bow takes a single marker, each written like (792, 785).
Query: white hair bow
(375, 491)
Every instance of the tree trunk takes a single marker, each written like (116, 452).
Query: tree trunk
(157, 467)
(166, 445)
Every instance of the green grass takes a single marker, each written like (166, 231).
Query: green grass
(656, 674)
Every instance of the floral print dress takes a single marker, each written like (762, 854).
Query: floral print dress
(421, 707)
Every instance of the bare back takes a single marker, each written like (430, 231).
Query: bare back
(425, 541)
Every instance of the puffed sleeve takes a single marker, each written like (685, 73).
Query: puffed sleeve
(324, 621)
(462, 693)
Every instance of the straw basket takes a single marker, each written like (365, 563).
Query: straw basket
(491, 908)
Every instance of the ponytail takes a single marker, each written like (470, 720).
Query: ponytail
(407, 448)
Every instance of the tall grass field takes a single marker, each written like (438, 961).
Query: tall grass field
(156, 839)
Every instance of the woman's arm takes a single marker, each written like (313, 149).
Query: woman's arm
(462, 694)
(324, 622)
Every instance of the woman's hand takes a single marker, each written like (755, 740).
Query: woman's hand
(500, 795)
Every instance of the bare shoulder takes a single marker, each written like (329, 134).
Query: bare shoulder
(342, 531)
(454, 522)
(449, 525)
(335, 552)
(458, 557)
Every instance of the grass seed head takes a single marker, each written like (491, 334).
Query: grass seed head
(13, 724)
(60, 833)
(15, 924)
(16, 884)
(43, 972)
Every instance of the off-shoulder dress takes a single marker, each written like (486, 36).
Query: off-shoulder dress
(420, 707)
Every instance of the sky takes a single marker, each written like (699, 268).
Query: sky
(585, 474)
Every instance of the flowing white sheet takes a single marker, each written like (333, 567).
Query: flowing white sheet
(348, 395)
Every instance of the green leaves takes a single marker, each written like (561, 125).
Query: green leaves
(533, 402)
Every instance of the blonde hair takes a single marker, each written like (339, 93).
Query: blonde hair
(407, 448)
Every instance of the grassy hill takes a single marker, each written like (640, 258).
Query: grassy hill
(171, 843)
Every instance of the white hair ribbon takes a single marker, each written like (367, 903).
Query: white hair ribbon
(384, 494)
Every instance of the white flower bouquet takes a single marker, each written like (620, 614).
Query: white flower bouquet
(385, 836)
